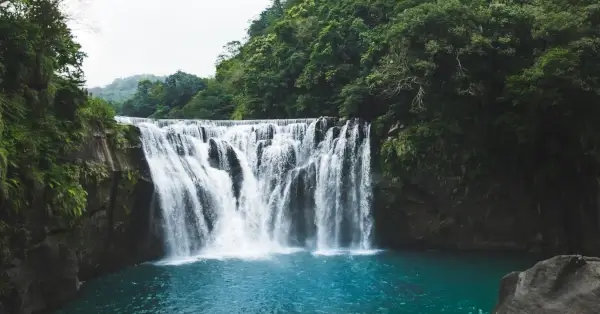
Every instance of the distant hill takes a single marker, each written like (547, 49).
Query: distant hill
(122, 89)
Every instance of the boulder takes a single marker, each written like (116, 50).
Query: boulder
(564, 284)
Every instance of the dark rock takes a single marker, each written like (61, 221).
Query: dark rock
(235, 172)
(435, 214)
(262, 145)
(207, 202)
(270, 134)
(356, 123)
(46, 279)
(213, 153)
(335, 132)
(499, 213)
(182, 145)
(321, 126)
(119, 228)
(563, 284)
(224, 157)
(301, 205)
(203, 134)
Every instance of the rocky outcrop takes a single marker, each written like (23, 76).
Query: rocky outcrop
(565, 284)
(119, 228)
(410, 214)
(500, 211)
(221, 155)
(500, 214)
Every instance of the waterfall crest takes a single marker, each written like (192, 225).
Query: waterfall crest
(254, 187)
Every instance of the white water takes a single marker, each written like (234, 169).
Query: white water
(253, 187)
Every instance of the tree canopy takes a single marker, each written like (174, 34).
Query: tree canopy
(474, 86)
(453, 88)
(122, 89)
(45, 117)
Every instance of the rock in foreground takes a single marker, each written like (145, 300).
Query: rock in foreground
(563, 284)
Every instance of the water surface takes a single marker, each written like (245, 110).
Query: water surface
(408, 283)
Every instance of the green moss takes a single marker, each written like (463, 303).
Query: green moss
(68, 197)
(127, 183)
(46, 116)
(129, 179)
(94, 172)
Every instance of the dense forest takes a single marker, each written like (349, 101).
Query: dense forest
(180, 95)
(468, 88)
(45, 117)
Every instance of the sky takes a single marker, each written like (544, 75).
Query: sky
(127, 37)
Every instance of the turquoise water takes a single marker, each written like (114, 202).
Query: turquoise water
(409, 283)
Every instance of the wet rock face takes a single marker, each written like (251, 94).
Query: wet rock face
(222, 156)
(497, 212)
(122, 225)
(564, 284)
(46, 279)
(321, 128)
(120, 228)
(424, 216)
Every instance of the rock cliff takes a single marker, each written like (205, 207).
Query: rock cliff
(119, 228)
(501, 210)
(497, 215)
(422, 214)
(566, 284)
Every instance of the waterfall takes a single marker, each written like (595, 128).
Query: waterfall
(260, 186)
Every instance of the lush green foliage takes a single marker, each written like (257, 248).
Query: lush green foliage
(180, 95)
(45, 116)
(473, 87)
(470, 87)
(214, 101)
(476, 87)
(122, 89)
(145, 101)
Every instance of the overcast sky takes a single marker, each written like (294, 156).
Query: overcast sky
(127, 37)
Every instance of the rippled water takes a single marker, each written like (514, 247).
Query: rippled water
(301, 282)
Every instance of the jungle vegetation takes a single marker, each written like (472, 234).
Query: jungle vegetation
(46, 115)
(472, 88)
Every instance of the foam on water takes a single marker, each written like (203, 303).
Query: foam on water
(252, 188)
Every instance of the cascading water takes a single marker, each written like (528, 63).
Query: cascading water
(252, 187)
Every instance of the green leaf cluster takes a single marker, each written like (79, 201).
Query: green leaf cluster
(473, 88)
(46, 116)
(479, 87)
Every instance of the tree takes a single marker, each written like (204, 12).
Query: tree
(45, 116)
(180, 87)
